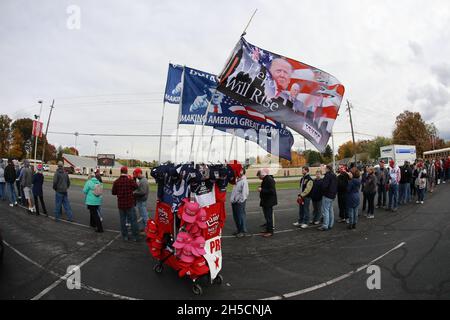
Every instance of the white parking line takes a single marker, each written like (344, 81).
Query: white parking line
(89, 288)
(333, 281)
(67, 275)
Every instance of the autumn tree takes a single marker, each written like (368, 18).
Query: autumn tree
(22, 140)
(5, 135)
(411, 129)
(345, 150)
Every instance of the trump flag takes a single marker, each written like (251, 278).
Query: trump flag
(297, 95)
(173, 84)
(200, 93)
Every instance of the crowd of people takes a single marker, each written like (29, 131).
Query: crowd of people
(23, 184)
(389, 185)
(394, 185)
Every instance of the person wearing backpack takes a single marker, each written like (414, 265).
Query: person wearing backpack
(93, 190)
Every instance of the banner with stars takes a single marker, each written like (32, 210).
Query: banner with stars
(297, 95)
(199, 88)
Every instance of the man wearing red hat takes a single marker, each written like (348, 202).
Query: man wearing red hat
(123, 188)
(141, 195)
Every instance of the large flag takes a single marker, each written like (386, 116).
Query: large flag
(37, 129)
(199, 92)
(173, 84)
(297, 95)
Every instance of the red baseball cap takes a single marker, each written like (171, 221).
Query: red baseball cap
(199, 266)
(137, 172)
(124, 169)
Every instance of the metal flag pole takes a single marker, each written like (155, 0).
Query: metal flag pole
(332, 145)
(231, 146)
(210, 144)
(179, 113)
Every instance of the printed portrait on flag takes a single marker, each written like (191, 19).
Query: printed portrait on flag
(200, 88)
(173, 84)
(297, 95)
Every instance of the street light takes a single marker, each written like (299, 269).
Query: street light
(95, 144)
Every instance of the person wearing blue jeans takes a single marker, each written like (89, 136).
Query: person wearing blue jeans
(304, 199)
(393, 182)
(10, 180)
(329, 192)
(141, 206)
(239, 217)
(128, 215)
(352, 197)
(238, 201)
(62, 200)
(141, 196)
(11, 190)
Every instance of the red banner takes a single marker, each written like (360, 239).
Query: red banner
(37, 128)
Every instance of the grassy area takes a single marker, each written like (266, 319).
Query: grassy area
(253, 185)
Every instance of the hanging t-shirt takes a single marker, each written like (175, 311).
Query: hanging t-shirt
(215, 222)
(204, 193)
(180, 191)
(164, 218)
(221, 194)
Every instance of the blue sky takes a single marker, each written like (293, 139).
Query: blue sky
(109, 76)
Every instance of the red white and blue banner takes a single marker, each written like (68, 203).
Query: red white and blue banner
(199, 92)
(290, 92)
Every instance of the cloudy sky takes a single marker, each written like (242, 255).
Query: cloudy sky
(109, 75)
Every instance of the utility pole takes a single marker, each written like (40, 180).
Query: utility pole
(46, 129)
(349, 109)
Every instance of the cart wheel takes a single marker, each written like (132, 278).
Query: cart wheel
(218, 280)
(197, 289)
(158, 268)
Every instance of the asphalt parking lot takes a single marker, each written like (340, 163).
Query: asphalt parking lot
(411, 247)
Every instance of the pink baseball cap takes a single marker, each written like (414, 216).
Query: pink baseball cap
(198, 246)
(190, 211)
(186, 254)
(192, 228)
(201, 218)
(183, 239)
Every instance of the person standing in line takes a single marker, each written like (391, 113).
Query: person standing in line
(421, 182)
(370, 188)
(393, 183)
(414, 174)
(316, 197)
(304, 199)
(431, 173)
(438, 168)
(363, 181)
(405, 183)
(382, 177)
(329, 191)
(447, 169)
(141, 195)
(238, 199)
(10, 178)
(38, 192)
(268, 199)
(93, 191)
(98, 176)
(61, 185)
(26, 183)
(2, 181)
(18, 169)
(342, 193)
(352, 201)
(123, 188)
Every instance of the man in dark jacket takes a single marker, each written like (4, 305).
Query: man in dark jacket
(38, 193)
(316, 197)
(123, 188)
(61, 184)
(268, 196)
(382, 175)
(304, 199)
(329, 191)
(342, 183)
(405, 184)
(10, 178)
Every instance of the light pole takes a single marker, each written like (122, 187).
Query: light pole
(76, 140)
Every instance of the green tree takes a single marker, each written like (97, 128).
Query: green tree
(376, 144)
(313, 157)
(5, 135)
(327, 155)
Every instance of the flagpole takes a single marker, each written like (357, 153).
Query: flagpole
(179, 113)
(231, 146)
(161, 132)
(248, 24)
(210, 144)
